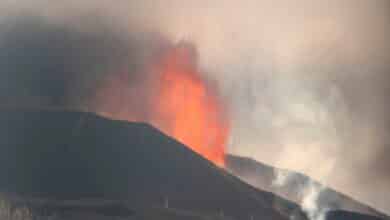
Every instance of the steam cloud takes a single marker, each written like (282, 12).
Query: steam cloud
(306, 82)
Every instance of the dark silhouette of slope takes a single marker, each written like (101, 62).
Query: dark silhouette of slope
(72, 155)
(262, 176)
(345, 215)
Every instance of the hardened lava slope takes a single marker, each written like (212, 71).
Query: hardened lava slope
(65, 155)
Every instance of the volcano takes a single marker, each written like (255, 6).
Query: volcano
(69, 156)
(84, 166)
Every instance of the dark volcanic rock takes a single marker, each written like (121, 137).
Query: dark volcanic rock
(345, 215)
(72, 155)
(262, 176)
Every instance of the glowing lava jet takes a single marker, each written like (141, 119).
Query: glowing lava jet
(173, 97)
(187, 108)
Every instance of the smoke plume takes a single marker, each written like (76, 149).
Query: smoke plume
(310, 192)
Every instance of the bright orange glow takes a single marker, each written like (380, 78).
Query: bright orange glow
(187, 108)
(174, 98)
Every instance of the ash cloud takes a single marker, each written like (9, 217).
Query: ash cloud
(54, 62)
(306, 82)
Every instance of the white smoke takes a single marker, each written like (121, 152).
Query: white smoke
(310, 193)
(308, 190)
(281, 177)
(310, 203)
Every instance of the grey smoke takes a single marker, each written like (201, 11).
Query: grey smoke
(310, 192)
(311, 205)
(53, 64)
(72, 63)
(306, 81)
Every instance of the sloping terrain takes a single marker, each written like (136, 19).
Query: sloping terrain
(262, 176)
(71, 155)
(15, 207)
(345, 215)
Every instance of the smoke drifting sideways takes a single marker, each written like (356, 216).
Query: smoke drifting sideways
(306, 82)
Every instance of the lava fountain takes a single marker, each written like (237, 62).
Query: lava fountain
(187, 107)
(173, 97)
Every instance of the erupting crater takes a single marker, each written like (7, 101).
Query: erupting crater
(175, 98)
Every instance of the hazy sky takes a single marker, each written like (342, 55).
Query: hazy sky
(306, 82)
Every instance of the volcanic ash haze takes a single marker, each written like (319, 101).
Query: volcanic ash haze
(306, 83)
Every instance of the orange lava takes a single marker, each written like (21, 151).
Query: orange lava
(187, 108)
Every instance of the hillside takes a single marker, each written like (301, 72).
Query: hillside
(345, 215)
(72, 155)
(262, 176)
